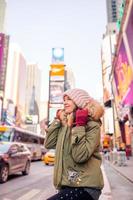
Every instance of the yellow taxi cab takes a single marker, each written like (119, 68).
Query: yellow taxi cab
(49, 157)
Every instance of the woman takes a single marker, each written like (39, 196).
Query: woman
(75, 134)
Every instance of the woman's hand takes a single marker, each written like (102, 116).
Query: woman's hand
(66, 119)
(81, 117)
(61, 115)
(70, 119)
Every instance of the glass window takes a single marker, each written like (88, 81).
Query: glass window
(4, 147)
(22, 148)
(5, 136)
(14, 148)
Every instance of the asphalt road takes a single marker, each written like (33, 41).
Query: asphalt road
(35, 186)
(38, 184)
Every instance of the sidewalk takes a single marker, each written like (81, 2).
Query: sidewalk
(125, 171)
(106, 192)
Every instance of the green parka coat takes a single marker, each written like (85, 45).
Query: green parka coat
(78, 161)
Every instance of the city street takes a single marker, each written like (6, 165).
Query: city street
(121, 187)
(70, 63)
(38, 185)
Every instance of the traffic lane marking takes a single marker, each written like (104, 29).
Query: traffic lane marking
(29, 194)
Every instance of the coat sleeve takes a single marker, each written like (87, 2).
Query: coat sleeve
(85, 141)
(52, 134)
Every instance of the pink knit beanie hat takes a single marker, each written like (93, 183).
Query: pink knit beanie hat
(80, 97)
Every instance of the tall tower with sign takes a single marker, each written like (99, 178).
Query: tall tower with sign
(56, 82)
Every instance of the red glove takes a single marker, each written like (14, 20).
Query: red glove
(81, 117)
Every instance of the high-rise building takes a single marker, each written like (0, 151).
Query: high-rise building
(4, 43)
(113, 7)
(15, 85)
(33, 89)
(2, 15)
(69, 79)
(113, 10)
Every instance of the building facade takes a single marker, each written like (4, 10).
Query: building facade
(2, 15)
(15, 84)
(4, 46)
(122, 76)
(121, 79)
(113, 10)
(33, 90)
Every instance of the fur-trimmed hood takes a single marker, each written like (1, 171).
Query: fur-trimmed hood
(83, 100)
(95, 109)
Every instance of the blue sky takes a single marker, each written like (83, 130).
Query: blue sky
(76, 25)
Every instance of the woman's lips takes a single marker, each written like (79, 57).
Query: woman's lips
(66, 107)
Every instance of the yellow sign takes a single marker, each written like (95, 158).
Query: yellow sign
(4, 128)
(57, 70)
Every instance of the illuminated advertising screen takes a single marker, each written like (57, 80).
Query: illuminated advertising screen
(57, 72)
(129, 32)
(123, 74)
(58, 55)
(56, 91)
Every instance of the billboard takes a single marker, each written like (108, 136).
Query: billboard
(123, 74)
(57, 55)
(57, 72)
(56, 91)
(56, 81)
(129, 31)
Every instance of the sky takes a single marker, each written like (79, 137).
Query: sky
(75, 25)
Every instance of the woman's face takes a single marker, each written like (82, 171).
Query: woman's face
(69, 105)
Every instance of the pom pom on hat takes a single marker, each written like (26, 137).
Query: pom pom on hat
(80, 97)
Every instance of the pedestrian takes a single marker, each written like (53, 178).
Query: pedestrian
(75, 134)
(128, 152)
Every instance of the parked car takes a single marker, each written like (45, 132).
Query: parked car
(14, 157)
(49, 157)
